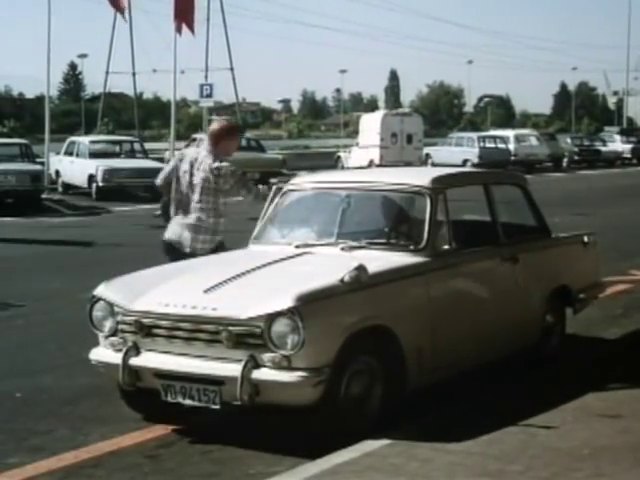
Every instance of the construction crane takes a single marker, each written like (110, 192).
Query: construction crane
(613, 96)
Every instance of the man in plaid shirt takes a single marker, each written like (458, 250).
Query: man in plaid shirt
(198, 232)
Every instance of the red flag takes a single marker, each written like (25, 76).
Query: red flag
(184, 13)
(119, 6)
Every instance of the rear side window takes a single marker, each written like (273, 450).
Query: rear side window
(527, 139)
(459, 142)
(515, 214)
(471, 142)
(470, 218)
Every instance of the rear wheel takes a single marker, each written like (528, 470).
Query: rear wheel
(554, 330)
(339, 163)
(466, 164)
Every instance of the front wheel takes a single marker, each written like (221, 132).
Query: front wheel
(97, 193)
(61, 186)
(363, 387)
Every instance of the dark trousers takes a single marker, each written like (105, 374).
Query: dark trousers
(175, 254)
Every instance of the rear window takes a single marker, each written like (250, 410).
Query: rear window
(492, 142)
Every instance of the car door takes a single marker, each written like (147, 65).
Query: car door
(83, 166)
(67, 162)
(458, 152)
(469, 284)
(524, 234)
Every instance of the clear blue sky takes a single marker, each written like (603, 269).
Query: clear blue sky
(522, 47)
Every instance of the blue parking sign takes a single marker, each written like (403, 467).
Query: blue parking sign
(206, 91)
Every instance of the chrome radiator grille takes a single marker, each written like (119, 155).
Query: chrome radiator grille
(150, 329)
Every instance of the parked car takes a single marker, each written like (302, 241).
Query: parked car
(626, 143)
(357, 286)
(470, 149)
(528, 150)
(252, 158)
(386, 138)
(104, 163)
(581, 150)
(557, 153)
(21, 178)
(610, 153)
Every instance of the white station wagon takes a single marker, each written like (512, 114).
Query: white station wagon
(357, 286)
(104, 162)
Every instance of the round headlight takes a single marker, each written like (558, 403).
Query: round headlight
(102, 318)
(286, 334)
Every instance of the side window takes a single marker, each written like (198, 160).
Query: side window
(69, 150)
(459, 142)
(394, 138)
(83, 151)
(449, 142)
(515, 215)
(409, 139)
(470, 218)
(440, 232)
(471, 142)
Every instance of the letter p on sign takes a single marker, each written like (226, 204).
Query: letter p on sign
(205, 94)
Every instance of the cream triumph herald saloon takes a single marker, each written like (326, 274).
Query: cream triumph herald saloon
(357, 286)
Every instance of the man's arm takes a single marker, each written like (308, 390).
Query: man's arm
(166, 176)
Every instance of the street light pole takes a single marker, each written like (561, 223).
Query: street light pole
(573, 103)
(82, 57)
(625, 108)
(470, 98)
(342, 73)
(47, 102)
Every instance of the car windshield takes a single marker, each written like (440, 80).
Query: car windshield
(581, 141)
(527, 139)
(16, 152)
(251, 145)
(117, 149)
(629, 140)
(371, 218)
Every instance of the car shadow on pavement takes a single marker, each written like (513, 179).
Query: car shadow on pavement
(510, 393)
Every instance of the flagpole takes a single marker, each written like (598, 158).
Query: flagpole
(136, 118)
(47, 102)
(174, 94)
(231, 67)
(205, 110)
(106, 73)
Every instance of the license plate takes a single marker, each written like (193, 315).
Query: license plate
(8, 180)
(191, 394)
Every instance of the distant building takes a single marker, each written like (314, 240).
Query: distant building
(254, 114)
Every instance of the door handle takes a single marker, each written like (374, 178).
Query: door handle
(513, 259)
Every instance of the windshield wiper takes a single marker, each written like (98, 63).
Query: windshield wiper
(379, 243)
(324, 243)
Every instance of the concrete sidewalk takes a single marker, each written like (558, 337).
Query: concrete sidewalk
(594, 437)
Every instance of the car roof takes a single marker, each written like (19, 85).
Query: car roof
(13, 140)
(103, 138)
(475, 134)
(512, 131)
(427, 177)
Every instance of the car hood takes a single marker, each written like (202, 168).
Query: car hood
(127, 163)
(248, 283)
(21, 167)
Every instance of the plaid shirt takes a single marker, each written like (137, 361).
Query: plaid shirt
(213, 180)
(178, 176)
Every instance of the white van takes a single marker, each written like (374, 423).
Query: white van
(386, 138)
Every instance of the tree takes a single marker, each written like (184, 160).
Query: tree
(72, 87)
(495, 111)
(336, 101)
(355, 101)
(561, 107)
(371, 104)
(587, 103)
(441, 106)
(392, 96)
(605, 112)
(310, 108)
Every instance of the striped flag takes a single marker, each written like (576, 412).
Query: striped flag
(184, 14)
(119, 6)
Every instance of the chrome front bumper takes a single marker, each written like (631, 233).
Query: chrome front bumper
(243, 382)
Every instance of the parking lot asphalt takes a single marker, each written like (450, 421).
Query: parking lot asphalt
(54, 402)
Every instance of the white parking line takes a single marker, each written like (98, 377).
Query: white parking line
(325, 463)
